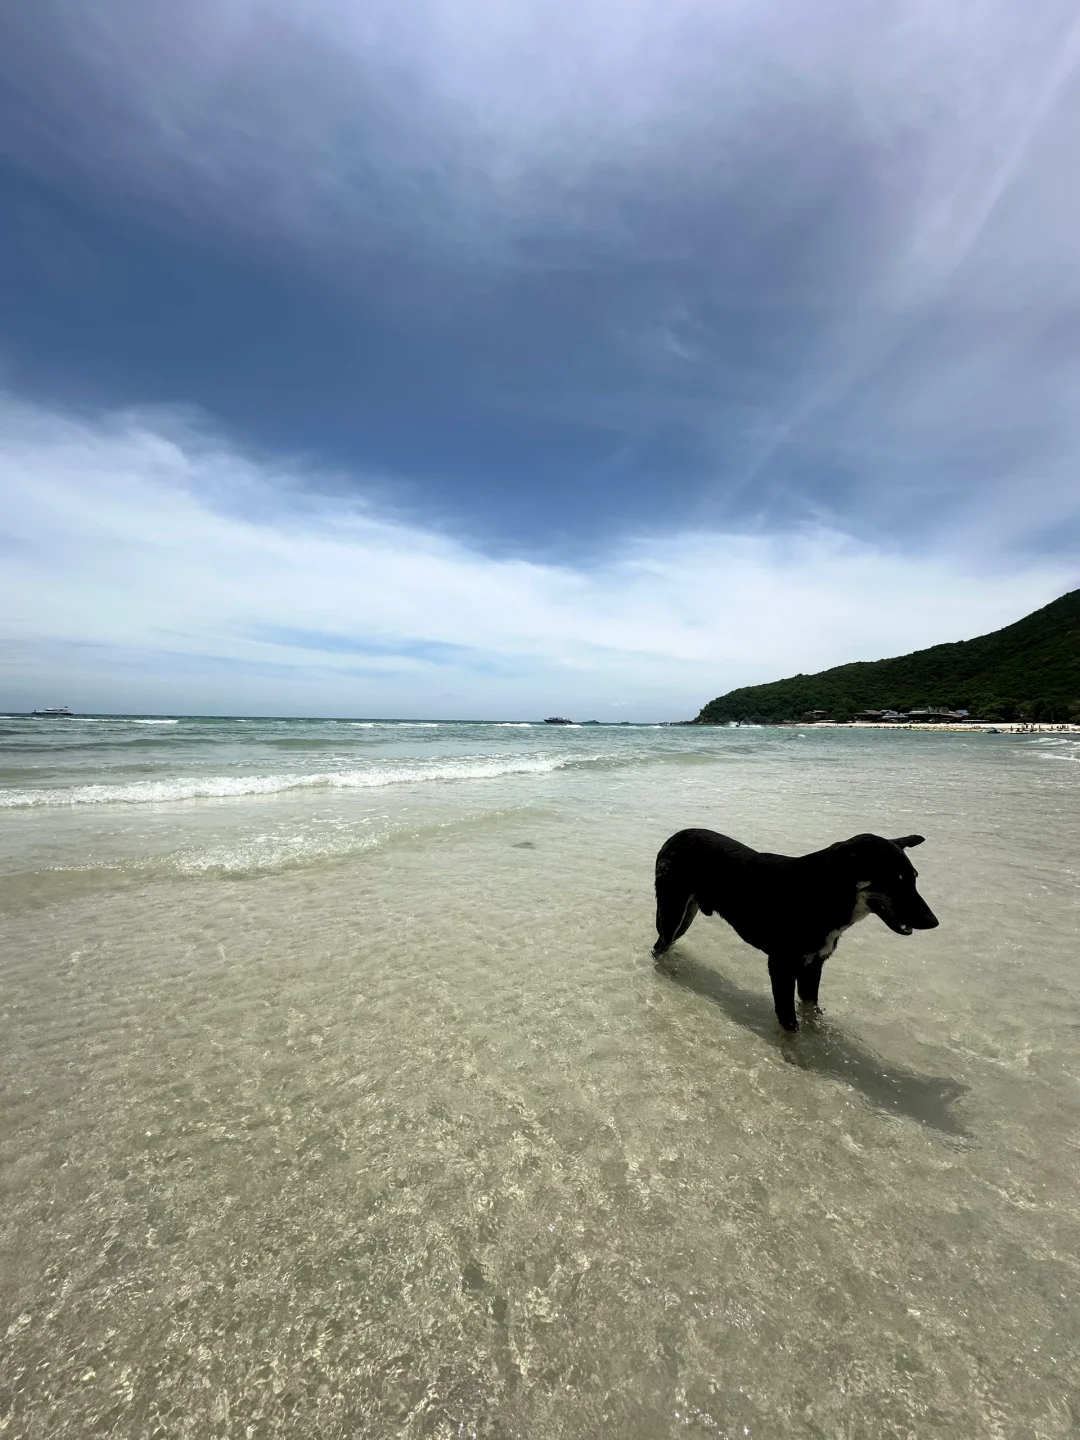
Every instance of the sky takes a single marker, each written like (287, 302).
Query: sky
(476, 359)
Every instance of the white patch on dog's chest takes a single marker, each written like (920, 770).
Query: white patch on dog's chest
(829, 946)
(860, 912)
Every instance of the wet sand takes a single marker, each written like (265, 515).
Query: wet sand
(415, 1140)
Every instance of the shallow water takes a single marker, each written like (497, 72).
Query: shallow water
(351, 1103)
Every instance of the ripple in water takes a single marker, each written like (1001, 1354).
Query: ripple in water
(411, 1138)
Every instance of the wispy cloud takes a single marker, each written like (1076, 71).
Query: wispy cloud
(463, 123)
(448, 121)
(566, 272)
(145, 565)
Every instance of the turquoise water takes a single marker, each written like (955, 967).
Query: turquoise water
(139, 759)
(341, 1095)
(129, 795)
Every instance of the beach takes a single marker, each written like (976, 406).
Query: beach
(965, 727)
(342, 1097)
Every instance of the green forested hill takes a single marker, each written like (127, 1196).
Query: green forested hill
(1030, 669)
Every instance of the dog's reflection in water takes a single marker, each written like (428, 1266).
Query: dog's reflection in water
(822, 1046)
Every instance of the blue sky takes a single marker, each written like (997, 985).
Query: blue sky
(460, 358)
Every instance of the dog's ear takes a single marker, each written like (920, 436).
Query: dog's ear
(907, 842)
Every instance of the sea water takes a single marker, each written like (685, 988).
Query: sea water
(341, 1097)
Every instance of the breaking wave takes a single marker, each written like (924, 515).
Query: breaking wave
(219, 787)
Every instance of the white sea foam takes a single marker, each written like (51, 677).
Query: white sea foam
(390, 724)
(267, 852)
(221, 787)
(115, 720)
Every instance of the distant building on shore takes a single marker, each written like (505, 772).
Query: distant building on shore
(936, 713)
(929, 714)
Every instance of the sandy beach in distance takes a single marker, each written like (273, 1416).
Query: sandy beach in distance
(1003, 727)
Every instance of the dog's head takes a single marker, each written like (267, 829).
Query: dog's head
(886, 879)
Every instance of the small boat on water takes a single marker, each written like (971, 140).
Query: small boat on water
(557, 720)
(53, 712)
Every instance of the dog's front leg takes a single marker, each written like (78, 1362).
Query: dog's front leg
(782, 973)
(809, 979)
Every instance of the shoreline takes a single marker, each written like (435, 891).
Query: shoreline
(957, 727)
(1002, 727)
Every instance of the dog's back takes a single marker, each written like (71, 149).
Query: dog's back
(751, 889)
(698, 852)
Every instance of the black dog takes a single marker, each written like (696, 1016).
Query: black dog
(793, 908)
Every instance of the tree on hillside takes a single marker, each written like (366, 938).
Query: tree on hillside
(1031, 668)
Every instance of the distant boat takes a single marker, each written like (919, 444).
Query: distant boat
(557, 720)
(53, 712)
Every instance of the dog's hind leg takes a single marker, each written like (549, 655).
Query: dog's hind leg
(782, 972)
(808, 980)
(675, 911)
